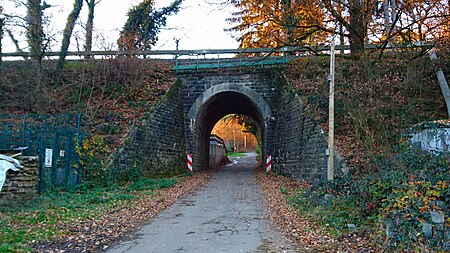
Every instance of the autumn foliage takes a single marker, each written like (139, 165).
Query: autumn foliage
(235, 135)
(278, 23)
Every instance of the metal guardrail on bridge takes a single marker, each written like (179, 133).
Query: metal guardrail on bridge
(229, 63)
(214, 58)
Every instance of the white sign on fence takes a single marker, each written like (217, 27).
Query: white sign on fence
(48, 157)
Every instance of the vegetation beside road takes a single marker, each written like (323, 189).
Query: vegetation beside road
(87, 219)
(231, 154)
(390, 183)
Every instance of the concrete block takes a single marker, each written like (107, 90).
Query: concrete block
(427, 230)
(437, 217)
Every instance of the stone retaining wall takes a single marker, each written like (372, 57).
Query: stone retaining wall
(157, 144)
(436, 229)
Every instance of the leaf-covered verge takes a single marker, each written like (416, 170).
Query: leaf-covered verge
(377, 100)
(88, 220)
(112, 96)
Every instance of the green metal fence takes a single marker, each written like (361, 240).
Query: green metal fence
(52, 138)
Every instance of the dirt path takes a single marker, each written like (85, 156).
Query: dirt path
(228, 215)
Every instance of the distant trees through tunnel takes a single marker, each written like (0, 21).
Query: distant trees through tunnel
(239, 132)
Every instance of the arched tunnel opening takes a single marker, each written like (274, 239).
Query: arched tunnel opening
(212, 111)
(239, 134)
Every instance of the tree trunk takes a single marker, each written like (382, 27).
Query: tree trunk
(89, 27)
(393, 21)
(357, 28)
(342, 38)
(341, 30)
(442, 82)
(35, 32)
(387, 18)
(73, 16)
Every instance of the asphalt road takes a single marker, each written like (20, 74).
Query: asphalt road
(227, 215)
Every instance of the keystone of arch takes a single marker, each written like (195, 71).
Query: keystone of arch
(256, 99)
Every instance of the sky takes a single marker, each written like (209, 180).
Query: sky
(198, 25)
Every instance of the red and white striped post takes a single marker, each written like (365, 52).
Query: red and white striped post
(268, 163)
(189, 162)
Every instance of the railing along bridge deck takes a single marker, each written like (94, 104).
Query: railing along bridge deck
(220, 58)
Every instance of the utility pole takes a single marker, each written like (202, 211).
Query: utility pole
(330, 172)
(442, 81)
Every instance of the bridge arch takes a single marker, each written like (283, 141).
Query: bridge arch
(216, 102)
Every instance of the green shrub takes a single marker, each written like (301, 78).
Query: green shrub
(407, 186)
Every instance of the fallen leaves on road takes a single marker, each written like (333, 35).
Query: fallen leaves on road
(91, 235)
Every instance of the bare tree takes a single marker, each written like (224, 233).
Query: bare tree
(37, 41)
(15, 42)
(67, 34)
(90, 26)
(35, 31)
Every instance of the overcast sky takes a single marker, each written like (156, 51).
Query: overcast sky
(198, 25)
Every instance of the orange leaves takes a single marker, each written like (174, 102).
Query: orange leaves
(275, 23)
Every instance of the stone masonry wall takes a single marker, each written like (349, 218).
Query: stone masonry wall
(299, 142)
(158, 144)
(24, 181)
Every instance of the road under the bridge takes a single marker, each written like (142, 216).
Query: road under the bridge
(228, 215)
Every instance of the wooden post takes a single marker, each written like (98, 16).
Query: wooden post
(330, 172)
(442, 81)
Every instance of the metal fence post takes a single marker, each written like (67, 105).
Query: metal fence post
(78, 125)
(196, 63)
(218, 61)
(41, 160)
(79, 169)
(54, 157)
(68, 155)
(6, 135)
(24, 129)
(27, 151)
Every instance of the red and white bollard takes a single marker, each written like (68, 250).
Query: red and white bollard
(189, 162)
(268, 163)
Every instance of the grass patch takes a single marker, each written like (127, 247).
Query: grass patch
(43, 218)
(231, 154)
(151, 184)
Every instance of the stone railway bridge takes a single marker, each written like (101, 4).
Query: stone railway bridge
(182, 122)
